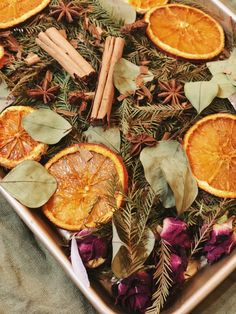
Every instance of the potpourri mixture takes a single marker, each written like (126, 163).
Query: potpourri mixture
(118, 123)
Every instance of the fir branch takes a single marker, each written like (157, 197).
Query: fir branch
(131, 224)
(163, 280)
(103, 19)
(205, 230)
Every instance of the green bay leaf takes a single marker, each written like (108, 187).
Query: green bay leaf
(30, 183)
(119, 10)
(165, 165)
(226, 88)
(6, 99)
(201, 94)
(109, 137)
(46, 126)
(127, 261)
(125, 75)
(216, 67)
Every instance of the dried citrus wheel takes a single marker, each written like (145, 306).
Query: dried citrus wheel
(210, 145)
(90, 178)
(13, 12)
(185, 31)
(143, 6)
(1, 52)
(16, 144)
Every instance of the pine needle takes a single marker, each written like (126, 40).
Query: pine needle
(163, 280)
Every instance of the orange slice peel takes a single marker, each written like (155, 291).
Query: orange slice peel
(85, 174)
(142, 6)
(16, 145)
(17, 11)
(1, 52)
(185, 32)
(210, 145)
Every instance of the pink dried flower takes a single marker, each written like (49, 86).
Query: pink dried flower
(178, 265)
(135, 292)
(92, 249)
(174, 232)
(221, 242)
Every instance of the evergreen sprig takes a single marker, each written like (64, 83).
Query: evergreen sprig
(162, 277)
(209, 216)
(131, 224)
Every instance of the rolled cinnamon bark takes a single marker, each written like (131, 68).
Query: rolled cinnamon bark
(60, 41)
(61, 57)
(106, 60)
(108, 95)
(64, 53)
(105, 90)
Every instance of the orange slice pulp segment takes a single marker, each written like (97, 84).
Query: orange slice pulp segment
(185, 31)
(143, 6)
(13, 12)
(90, 179)
(16, 144)
(210, 145)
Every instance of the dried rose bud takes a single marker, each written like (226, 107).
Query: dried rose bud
(221, 242)
(93, 250)
(135, 292)
(178, 265)
(175, 232)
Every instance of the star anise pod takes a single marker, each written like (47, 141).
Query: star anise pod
(44, 91)
(66, 10)
(172, 93)
(139, 141)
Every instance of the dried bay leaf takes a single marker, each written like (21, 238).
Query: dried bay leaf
(226, 89)
(171, 159)
(126, 74)
(30, 184)
(110, 137)
(46, 126)
(226, 67)
(116, 241)
(119, 10)
(5, 96)
(216, 67)
(163, 189)
(201, 94)
(124, 262)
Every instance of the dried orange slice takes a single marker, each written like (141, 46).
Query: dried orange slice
(143, 6)
(16, 144)
(1, 52)
(86, 175)
(13, 12)
(185, 31)
(210, 145)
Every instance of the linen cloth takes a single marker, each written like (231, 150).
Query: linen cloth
(31, 280)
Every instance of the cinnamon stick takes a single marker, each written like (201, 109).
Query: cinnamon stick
(61, 42)
(46, 44)
(64, 53)
(106, 59)
(105, 90)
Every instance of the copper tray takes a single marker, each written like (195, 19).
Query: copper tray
(195, 290)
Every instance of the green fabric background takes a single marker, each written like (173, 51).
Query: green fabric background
(31, 281)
